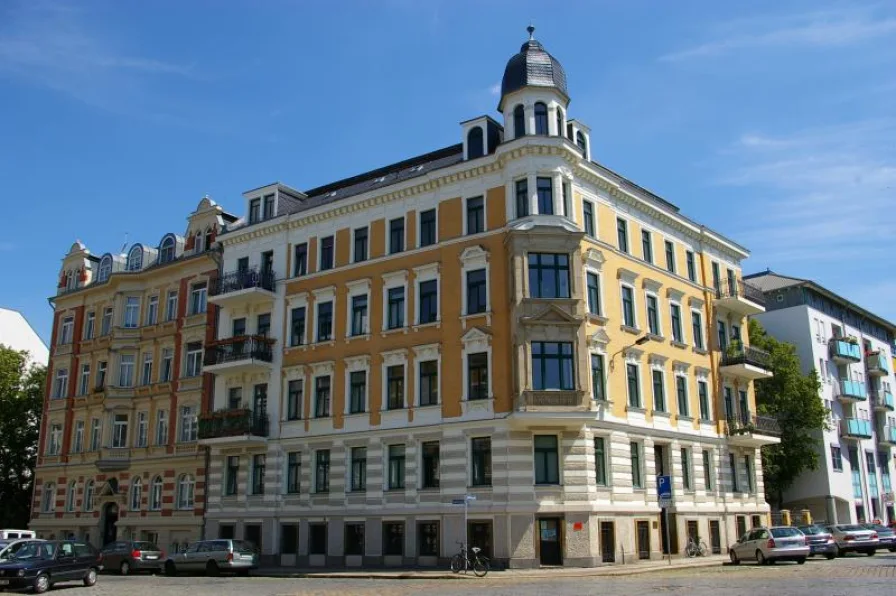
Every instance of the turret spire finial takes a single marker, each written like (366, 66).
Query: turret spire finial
(531, 30)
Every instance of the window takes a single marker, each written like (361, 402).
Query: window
(189, 424)
(106, 323)
(90, 325)
(65, 335)
(686, 469)
(322, 471)
(707, 469)
(300, 253)
(324, 321)
(547, 460)
(544, 190)
(142, 429)
(231, 475)
(593, 288)
(697, 324)
(317, 538)
(836, 458)
(653, 320)
(326, 253)
(582, 143)
(360, 245)
(548, 275)
(677, 335)
(541, 119)
(136, 493)
(258, 470)
(552, 365)
(100, 375)
(297, 326)
(396, 235)
(171, 305)
(359, 469)
(322, 397)
(395, 317)
(622, 234)
(559, 122)
(522, 197)
(354, 539)
(166, 370)
(263, 324)
(70, 496)
(647, 246)
(135, 258)
(692, 268)
(198, 243)
(357, 392)
(681, 391)
(131, 312)
(475, 215)
(427, 227)
(48, 498)
(152, 310)
(477, 301)
(198, 296)
(628, 307)
(185, 489)
(268, 206)
(659, 391)
(119, 431)
(126, 370)
(96, 434)
(395, 387)
(60, 385)
(428, 539)
(89, 492)
(254, 211)
(477, 376)
(481, 453)
(166, 250)
(703, 396)
(588, 216)
(598, 381)
(635, 454)
(396, 467)
(634, 385)
(519, 122)
(748, 472)
(146, 371)
(78, 443)
(716, 276)
(429, 383)
(155, 494)
(161, 427)
(670, 257)
(430, 461)
(732, 464)
(429, 302)
(54, 441)
(565, 198)
(600, 461)
(359, 315)
(294, 391)
(393, 539)
(194, 359)
(105, 269)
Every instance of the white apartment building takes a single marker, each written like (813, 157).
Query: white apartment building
(17, 333)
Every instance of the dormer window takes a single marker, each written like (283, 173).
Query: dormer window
(166, 250)
(519, 122)
(541, 119)
(474, 143)
(559, 122)
(135, 258)
(269, 206)
(199, 243)
(105, 269)
(254, 211)
(209, 238)
(582, 142)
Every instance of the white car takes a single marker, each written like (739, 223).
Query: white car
(768, 545)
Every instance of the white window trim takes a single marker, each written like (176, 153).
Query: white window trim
(404, 235)
(392, 280)
(90, 325)
(703, 375)
(635, 324)
(703, 344)
(427, 353)
(393, 358)
(423, 274)
(357, 364)
(126, 309)
(684, 338)
(435, 209)
(687, 395)
(601, 307)
(84, 379)
(659, 313)
(142, 425)
(476, 342)
(634, 357)
(360, 287)
(484, 195)
(472, 259)
(657, 363)
(593, 204)
(321, 295)
(608, 459)
(71, 496)
(153, 301)
(299, 301)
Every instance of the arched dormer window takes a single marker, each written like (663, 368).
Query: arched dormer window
(559, 122)
(155, 494)
(136, 493)
(167, 249)
(582, 143)
(519, 122)
(474, 143)
(88, 496)
(135, 258)
(105, 269)
(199, 243)
(48, 499)
(185, 491)
(541, 119)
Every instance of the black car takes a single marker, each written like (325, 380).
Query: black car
(40, 565)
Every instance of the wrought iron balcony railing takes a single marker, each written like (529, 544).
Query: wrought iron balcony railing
(236, 349)
(738, 288)
(233, 423)
(748, 424)
(738, 353)
(243, 279)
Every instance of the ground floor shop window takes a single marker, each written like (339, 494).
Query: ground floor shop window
(428, 541)
(393, 538)
(354, 539)
(317, 539)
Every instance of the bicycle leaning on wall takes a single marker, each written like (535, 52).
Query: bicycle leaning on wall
(463, 561)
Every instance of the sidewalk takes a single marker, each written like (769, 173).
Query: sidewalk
(442, 574)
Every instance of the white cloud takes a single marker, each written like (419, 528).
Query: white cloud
(495, 89)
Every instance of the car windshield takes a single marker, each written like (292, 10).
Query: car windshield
(36, 550)
(810, 530)
(851, 528)
(145, 546)
(785, 532)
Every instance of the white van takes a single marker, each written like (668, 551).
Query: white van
(15, 534)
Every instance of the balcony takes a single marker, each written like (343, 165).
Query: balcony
(852, 391)
(855, 428)
(746, 362)
(556, 405)
(738, 296)
(876, 364)
(886, 436)
(113, 459)
(240, 425)
(244, 353)
(753, 431)
(242, 287)
(882, 400)
(844, 351)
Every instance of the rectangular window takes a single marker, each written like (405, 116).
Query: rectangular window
(477, 301)
(300, 257)
(258, 470)
(396, 235)
(430, 461)
(634, 385)
(544, 188)
(60, 385)
(235, 398)
(268, 206)
(429, 301)
(325, 321)
(552, 365)
(659, 391)
(360, 245)
(475, 215)
(732, 464)
(78, 443)
(637, 476)
(593, 286)
(697, 324)
(142, 429)
(198, 296)
(477, 376)
(653, 318)
(166, 371)
(171, 305)
(395, 319)
(90, 325)
(692, 267)
(566, 195)
(481, 454)
(588, 215)
(152, 310)
(189, 424)
(429, 383)
(622, 234)
(836, 458)
(396, 467)
(326, 253)
(317, 538)
(96, 434)
(84, 380)
(126, 370)
(703, 396)
(428, 539)
(547, 460)
(294, 391)
(66, 331)
(600, 461)
(263, 324)
(289, 539)
(670, 257)
(522, 198)
(100, 375)
(681, 391)
(162, 427)
(393, 539)
(119, 431)
(628, 306)
(677, 335)
(194, 359)
(707, 469)
(297, 326)
(357, 392)
(395, 387)
(548, 275)
(359, 469)
(716, 277)
(354, 539)
(106, 323)
(322, 471)
(686, 469)
(322, 397)
(598, 381)
(427, 227)
(359, 315)
(647, 246)
(146, 371)
(131, 312)
(54, 441)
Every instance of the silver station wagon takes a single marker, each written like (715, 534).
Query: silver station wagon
(768, 545)
(214, 557)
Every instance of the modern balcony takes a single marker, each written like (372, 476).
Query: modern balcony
(242, 287)
(876, 364)
(738, 296)
(244, 353)
(882, 400)
(886, 435)
(753, 431)
(240, 425)
(855, 428)
(852, 391)
(746, 362)
(844, 351)
(113, 459)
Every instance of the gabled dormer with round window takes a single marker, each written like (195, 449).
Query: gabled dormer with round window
(78, 268)
(170, 248)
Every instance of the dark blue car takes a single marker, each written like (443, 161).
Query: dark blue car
(40, 565)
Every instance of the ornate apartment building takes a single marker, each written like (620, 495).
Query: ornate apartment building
(503, 318)
(119, 455)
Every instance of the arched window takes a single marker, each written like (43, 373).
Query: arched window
(519, 122)
(166, 250)
(88, 496)
(199, 244)
(559, 122)
(105, 269)
(541, 119)
(474, 143)
(70, 495)
(209, 235)
(582, 143)
(135, 258)
(48, 499)
(155, 494)
(136, 493)
(185, 487)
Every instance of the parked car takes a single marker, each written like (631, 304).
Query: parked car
(11, 534)
(821, 542)
(41, 564)
(886, 536)
(768, 545)
(214, 557)
(853, 538)
(132, 556)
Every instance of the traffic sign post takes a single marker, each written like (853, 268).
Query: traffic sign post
(465, 501)
(664, 494)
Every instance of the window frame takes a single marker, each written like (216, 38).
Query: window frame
(396, 467)
(326, 246)
(424, 240)
(548, 455)
(542, 361)
(647, 246)
(474, 211)
(622, 242)
(360, 244)
(396, 235)
(537, 264)
(480, 461)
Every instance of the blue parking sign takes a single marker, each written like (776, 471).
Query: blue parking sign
(664, 487)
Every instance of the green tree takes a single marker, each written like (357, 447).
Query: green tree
(21, 398)
(794, 398)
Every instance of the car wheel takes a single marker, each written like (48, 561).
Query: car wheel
(170, 569)
(41, 583)
(733, 556)
(760, 558)
(838, 552)
(829, 556)
(243, 573)
(801, 561)
(870, 553)
(125, 568)
(211, 569)
(90, 578)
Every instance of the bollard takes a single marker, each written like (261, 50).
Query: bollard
(785, 517)
(806, 517)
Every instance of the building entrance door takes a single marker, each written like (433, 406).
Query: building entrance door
(549, 541)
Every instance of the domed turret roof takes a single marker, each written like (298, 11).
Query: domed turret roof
(532, 67)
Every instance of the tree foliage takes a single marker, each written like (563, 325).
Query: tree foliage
(21, 398)
(794, 398)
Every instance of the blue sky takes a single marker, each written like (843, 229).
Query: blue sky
(774, 124)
